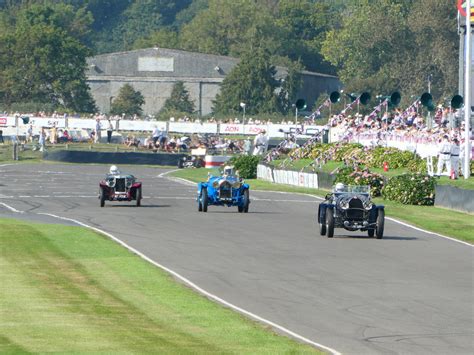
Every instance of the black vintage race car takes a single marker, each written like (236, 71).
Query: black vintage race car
(351, 208)
(119, 187)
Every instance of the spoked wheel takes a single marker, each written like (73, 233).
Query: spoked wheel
(330, 222)
(138, 196)
(205, 199)
(380, 224)
(246, 201)
(199, 204)
(102, 197)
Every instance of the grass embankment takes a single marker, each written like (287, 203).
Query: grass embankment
(68, 289)
(439, 220)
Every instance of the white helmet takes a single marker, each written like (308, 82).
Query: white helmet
(114, 170)
(228, 170)
(340, 187)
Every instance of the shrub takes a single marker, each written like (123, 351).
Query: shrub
(410, 189)
(349, 176)
(246, 165)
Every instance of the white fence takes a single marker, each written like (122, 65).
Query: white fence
(287, 177)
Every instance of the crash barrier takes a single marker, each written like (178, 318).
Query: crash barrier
(72, 156)
(211, 161)
(454, 198)
(273, 130)
(320, 180)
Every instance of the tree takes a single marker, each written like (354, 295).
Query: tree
(179, 100)
(388, 45)
(128, 102)
(251, 81)
(42, 57)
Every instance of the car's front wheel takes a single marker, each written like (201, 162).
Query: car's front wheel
(330, 222)
(205, 199)
(139, 196)
(380, 224)
(102, 197)
(322, 224)
(246, 200)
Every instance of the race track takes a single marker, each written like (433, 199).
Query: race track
(409, 293)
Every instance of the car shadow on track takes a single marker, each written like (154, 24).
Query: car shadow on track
(250, 212)
(142, 206)
(367, 237)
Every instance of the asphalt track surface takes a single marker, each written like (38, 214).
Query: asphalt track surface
(409, 293)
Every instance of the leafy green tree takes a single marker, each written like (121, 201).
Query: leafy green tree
(388, 45)
(128, 102)
(179, 100)
(43, 58)
(251, 81)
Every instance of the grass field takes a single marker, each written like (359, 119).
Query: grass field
(69, 290)
(439, 220)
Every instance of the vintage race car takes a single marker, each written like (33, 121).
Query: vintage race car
(225, 190)
(120, 187)
(190, 161)
(351, 208)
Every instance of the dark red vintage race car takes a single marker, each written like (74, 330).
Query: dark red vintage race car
(119, 187)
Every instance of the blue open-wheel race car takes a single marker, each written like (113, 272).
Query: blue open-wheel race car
(227, 189)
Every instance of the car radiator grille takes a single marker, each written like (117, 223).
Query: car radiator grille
(355, 210)
(120, 185)
(225, 191)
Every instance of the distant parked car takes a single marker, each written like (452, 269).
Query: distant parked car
(225, 190)
(119, 187)
(351, 208)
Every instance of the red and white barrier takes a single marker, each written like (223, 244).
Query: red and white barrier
(212, 161)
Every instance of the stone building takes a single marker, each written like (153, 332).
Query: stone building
(154, 71)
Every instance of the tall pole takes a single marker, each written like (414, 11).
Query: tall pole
(296, 115)
(467, 93)
(428, 120)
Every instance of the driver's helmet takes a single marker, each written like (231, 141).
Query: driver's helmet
(340, 187)
(114, 170)
(228, 170)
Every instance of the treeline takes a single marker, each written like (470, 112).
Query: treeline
(379, 46)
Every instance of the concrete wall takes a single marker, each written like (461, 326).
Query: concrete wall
(454, 198)
(154, 71)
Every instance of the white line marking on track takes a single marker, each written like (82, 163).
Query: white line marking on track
(13, 209)
(189, 283)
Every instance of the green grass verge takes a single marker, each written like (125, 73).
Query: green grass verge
(68, 289)
(439, 220)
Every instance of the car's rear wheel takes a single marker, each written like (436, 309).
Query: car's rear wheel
(380, 224)
(102, 197)
(205, 199)
(138, 195)
(199, 204)
(246, 199)
(330, 222)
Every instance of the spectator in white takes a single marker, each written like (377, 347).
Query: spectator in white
(42, 139)
(455, 152)
(155, 135)
(247, 146)
(98, 127)
(30, 134)
(260, 143)
(110, 129)
(444, 156)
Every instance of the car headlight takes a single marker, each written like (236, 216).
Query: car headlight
(344, 204)
(129, 182)
(215, 184)
(236, 184)
(110, 182)
(368, 205)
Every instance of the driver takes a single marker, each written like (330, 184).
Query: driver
(340, 187)
(114, 170)
(227, 170)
